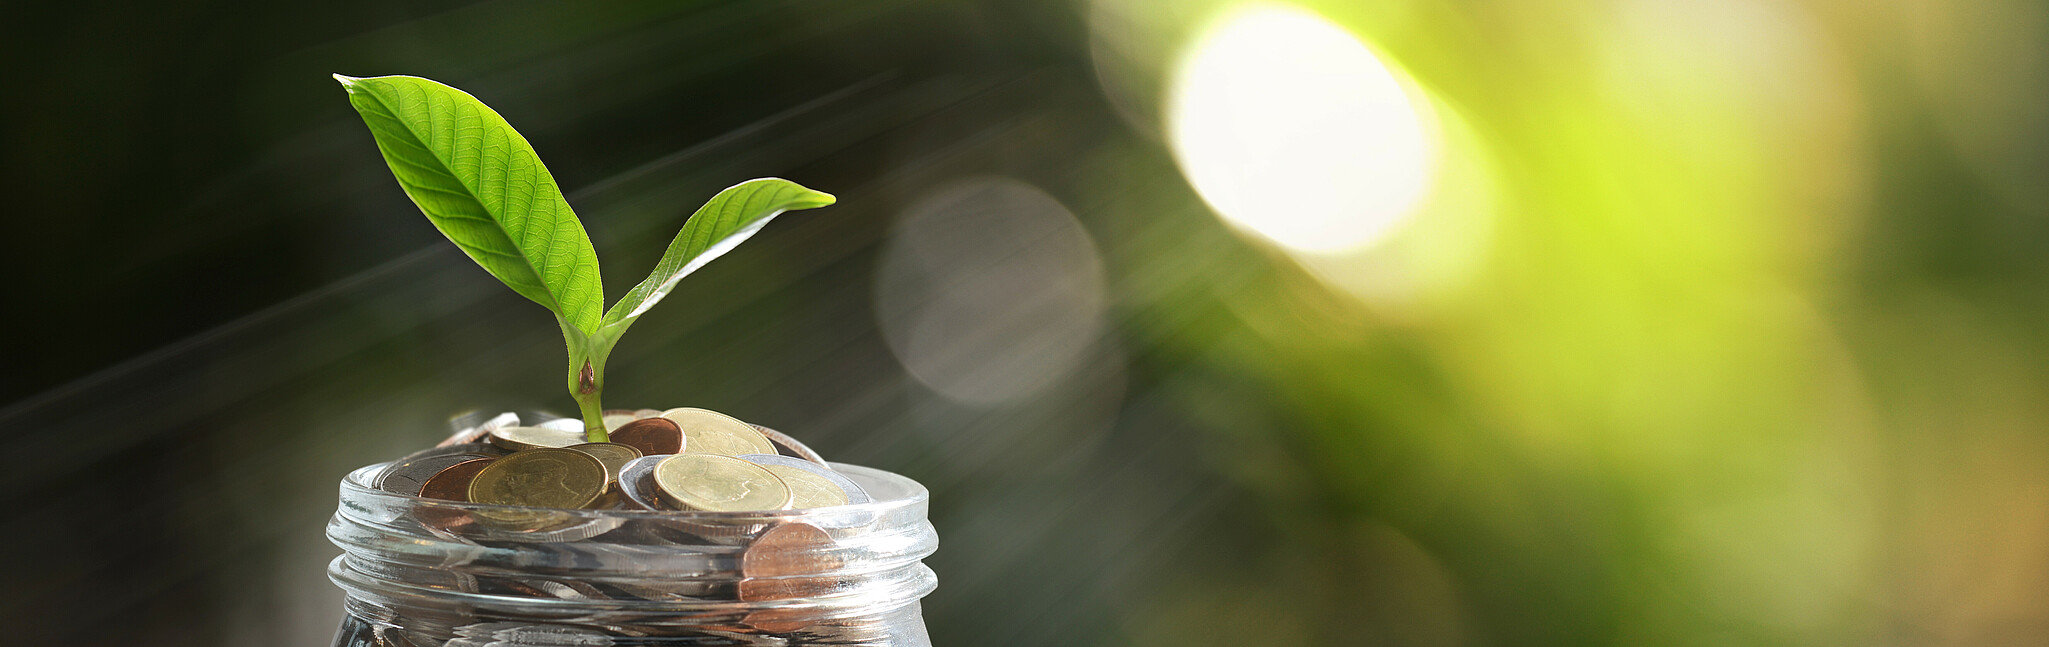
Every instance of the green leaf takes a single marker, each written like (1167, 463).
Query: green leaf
(483, 186)
(730, 218)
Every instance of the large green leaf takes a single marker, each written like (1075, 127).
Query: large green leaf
(482, 185)
(730, 218)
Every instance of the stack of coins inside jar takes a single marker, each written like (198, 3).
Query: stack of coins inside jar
(679, 459)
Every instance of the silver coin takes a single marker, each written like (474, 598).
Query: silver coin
(472, 427)
(567, 589)
(469, 420)
(636, 481)
(406, 475)
(570, 425)
(505, 634)
(854, 492)
(738, 638)
(518, 438)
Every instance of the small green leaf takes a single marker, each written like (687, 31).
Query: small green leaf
(730, 218)
(483, 186)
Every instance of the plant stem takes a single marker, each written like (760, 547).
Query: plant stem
(587, 355)
(593, 417)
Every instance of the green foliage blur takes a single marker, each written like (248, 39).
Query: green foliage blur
(1719, 326)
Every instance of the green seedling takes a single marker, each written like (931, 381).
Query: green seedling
(481, 184)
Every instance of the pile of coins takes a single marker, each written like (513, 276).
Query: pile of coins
(683, 459)
(679, 459)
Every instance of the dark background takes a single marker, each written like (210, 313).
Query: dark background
(1749, 353)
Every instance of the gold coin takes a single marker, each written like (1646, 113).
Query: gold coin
(711, 432)
(518, 438)
(720, 484)
(614, 420)
(795, 446)
(808, 490)
(541, 478)
(614, 455)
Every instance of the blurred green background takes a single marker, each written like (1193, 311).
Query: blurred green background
(1416, 322)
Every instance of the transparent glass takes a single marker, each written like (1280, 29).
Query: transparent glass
(430, 573)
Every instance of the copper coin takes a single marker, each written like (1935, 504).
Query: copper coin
(407, 474)
(790, 549)
(651, 436)
(453, 483)
(775, 566)
(757, 589)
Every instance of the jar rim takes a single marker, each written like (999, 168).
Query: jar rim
(907, 492)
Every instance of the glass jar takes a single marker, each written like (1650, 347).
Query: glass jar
(430, 573)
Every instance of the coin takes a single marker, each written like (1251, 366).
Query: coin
(518, 438)
(774, 565)
(618, 419)
(654, 593)
(651, 436)
(566, 588)
(543, 477)
(636, 481)
(613, 455)
(719, 483)
(808, 490)
(540, 526)
(610, 500)
(791, 548)
(795, 446)
(453, 482)
(571, 425)
(406, 476)
(515, 633)
(853, 492)
(473, 433)
(711, 432)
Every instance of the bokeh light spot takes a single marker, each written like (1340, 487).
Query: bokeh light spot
(990, 291)
(1291, 128)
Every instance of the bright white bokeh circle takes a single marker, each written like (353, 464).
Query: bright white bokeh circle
(1290, 127)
